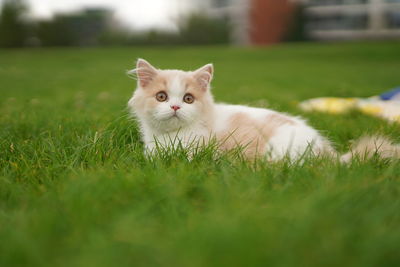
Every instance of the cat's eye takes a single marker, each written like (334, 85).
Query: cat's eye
(188, 98)
(161, 96)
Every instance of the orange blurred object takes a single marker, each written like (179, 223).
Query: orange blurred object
(270, 20)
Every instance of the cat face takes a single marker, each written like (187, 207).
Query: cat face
(171, 99)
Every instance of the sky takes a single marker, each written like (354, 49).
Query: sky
(139, 14)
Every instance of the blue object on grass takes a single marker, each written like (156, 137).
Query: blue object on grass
(391, 94)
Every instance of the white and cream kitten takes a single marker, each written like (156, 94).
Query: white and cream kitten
(174, 106)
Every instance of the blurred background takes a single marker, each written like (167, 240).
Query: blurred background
(35, 23)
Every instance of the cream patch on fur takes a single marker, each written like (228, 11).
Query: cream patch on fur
(251, 134)
(367, 146)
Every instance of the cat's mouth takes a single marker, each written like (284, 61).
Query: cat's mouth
(175, 116)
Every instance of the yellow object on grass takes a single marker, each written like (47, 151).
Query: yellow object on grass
(386, 109)
(333, 105)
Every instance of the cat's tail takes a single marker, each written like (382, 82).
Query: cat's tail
(368, 146)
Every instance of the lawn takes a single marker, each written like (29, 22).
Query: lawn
(75, 189)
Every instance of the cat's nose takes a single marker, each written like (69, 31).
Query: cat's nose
(175, 108)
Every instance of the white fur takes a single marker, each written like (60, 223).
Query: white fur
(289, 140)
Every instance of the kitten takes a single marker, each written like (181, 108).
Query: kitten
(174, 106)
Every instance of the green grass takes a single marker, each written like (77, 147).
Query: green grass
(75, 189)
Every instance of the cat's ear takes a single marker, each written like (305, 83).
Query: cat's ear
(145, 72)
(204, 76)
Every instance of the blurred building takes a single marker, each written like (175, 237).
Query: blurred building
(254, 22)
(262, 22)
(353, 19)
